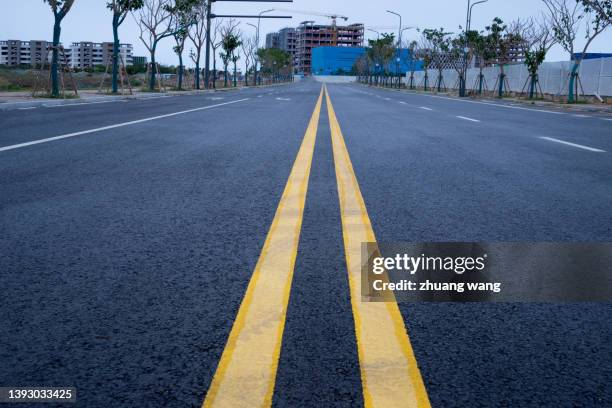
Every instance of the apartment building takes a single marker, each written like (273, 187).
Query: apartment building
(16, 52)
(81, 55)
(87, 54)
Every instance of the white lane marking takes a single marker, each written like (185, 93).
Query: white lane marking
(581, 116)
(501, 105)
(133, 122)
(608, 119)
(78, 104)
(387, 99)
(590, 149)
(466, 118)
(403, 103)
(215, 98)
(28, 108)
(283, 99)
(425, 108)
(260, 96)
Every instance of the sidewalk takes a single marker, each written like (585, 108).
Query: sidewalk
(24, 100)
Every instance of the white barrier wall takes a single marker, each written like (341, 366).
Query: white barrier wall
(337, 79)
(595, 75)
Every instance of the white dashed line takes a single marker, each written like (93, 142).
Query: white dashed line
(425, 108)
(133, 122)
(470, 119)
(590, 149)
(28, 108)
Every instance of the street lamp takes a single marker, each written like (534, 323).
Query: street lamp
(257, 42)
(377, 33)
(399, 42)
(468, 24)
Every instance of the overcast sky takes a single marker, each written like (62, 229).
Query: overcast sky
(89, 20)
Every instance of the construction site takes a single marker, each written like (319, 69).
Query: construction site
(300, 41)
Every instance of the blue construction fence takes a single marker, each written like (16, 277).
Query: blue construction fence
(340, 61)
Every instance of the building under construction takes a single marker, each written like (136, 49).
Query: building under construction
(310, 35)
(300, 42)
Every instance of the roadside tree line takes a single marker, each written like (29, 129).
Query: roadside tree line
(183, 22)
(564, 22)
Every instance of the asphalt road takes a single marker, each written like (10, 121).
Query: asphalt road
(127, 245)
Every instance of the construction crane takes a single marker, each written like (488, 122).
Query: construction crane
(334, 17)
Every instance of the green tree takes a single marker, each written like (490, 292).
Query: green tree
(230, 41)
(439, 43)
(197, 35)
(59, 8)
(120, 9)
(566, 17)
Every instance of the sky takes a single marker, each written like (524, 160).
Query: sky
(90, 20)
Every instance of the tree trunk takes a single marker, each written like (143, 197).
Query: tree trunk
(197, 73)
(235, 76)
(57, 30)
(180, 72)
(153, 70)
(115, 57)
(214, 70)
(502, 78)
(572, 83)
(225, 75)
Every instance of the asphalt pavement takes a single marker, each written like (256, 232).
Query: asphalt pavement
(130, 231)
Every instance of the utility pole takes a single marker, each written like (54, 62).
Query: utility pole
(210, 16)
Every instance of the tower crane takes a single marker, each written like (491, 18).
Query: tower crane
(334, 17)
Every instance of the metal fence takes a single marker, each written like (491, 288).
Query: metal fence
(595, 76)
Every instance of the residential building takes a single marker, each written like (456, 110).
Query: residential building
(87, 54)
(78, 55)
(139, 61)
(17, 52)
(272, 40)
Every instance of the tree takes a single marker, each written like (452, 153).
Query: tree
(439, 43)
(566, 17)
(184, 18)
(603, 8)
(380, 52)
(230, 41)
(538, 41)
(120, 9)
(249, 45)
(197, 35)
(505, 43)
(59, 8)
(275, 61)
(215, 43)
(159, 19)
(411, 60)
(426, 55)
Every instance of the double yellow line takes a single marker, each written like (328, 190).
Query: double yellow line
(246, 373)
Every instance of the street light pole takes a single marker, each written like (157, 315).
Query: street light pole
(399, 42)
(468, 26)
(210, 16)
(257, 43)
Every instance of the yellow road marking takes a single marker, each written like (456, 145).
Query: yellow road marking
(389, 373)
(247, 370)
